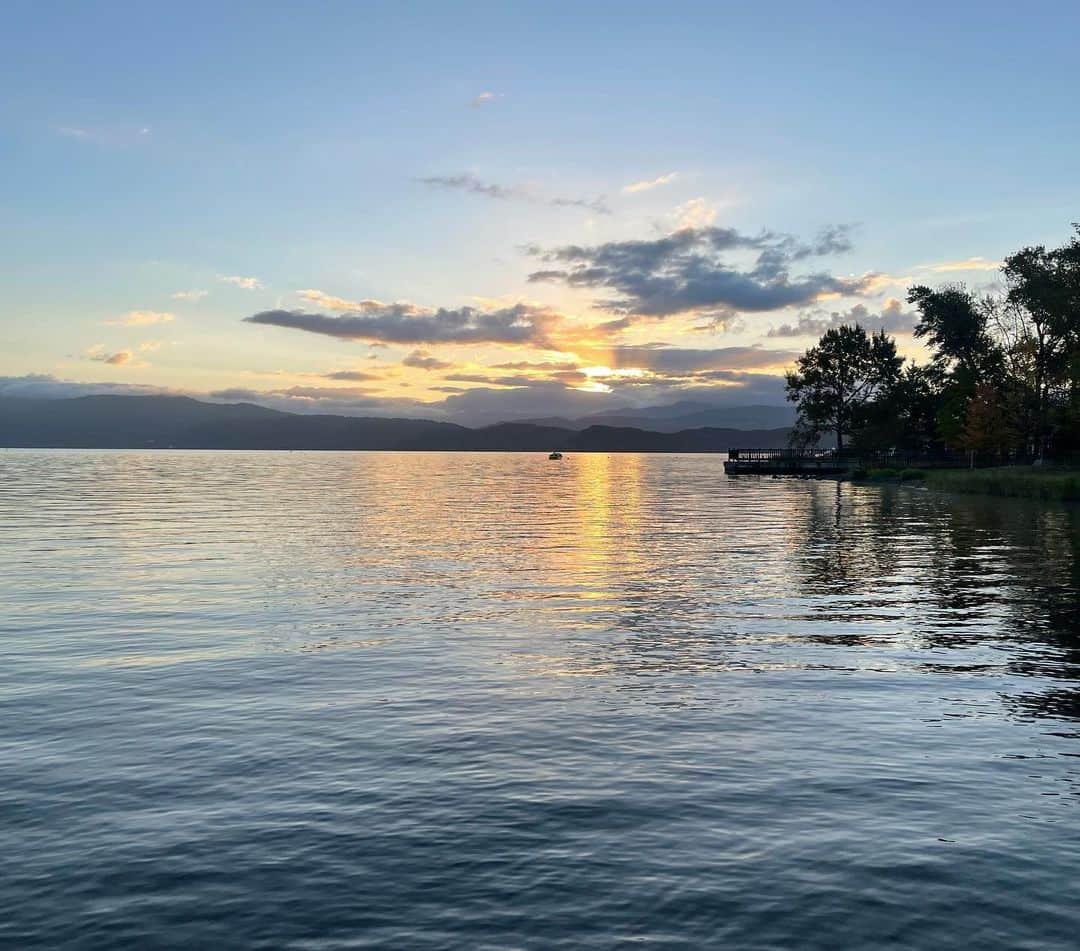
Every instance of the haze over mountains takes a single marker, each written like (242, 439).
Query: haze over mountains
(106, 421)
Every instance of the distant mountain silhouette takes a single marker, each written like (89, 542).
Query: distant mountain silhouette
(148, 422)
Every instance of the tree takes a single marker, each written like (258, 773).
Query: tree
(986, 425)
(915, 402)
(1044, 289)
(954, 323)
(835, 383)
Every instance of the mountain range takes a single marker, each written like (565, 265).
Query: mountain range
(143, 422)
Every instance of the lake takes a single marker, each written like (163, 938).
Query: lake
(333, 700)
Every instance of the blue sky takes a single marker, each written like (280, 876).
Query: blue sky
(150, 150)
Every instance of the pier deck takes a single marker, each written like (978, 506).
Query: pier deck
(828, 463)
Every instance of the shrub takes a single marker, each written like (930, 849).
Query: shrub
(1014, 481)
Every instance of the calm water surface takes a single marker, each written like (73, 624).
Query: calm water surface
(316, 701)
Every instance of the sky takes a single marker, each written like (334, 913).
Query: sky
(484, 211)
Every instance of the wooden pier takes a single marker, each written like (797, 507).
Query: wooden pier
(828, 463)
(810, 462)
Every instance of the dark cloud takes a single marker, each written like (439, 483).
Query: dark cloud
(423, 360)
(690, 271)
(408, 324)
(708, 387)
(814, 323)
(470, 183)
(236, 394)
(490, 380)
(117, 359)
(352, 376)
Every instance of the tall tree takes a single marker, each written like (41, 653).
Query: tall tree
(953, 321)
(835, 382)
(955, 325)
(1044, 288)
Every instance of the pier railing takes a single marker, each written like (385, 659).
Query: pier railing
(778, 455)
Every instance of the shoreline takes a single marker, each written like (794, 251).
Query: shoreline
(1046, 483)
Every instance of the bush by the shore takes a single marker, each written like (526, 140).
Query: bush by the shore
(887, 474)
(1029, 482)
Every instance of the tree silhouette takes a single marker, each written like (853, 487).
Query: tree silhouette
(836, 381)
(1044, 287)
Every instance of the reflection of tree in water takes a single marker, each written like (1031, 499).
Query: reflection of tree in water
(955, 572)
(1045, 612)
(841, 548)
(1059, 703)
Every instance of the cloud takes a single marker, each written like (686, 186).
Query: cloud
(649, 184)
(892, 318)
(247, 283)
(117, 359)
(149, 346)
(120, 134)
(679, 361)
(345, 401)
(142, 318)
(977, 263)
(689, 271)
(519, 380)
(407, 323)
(354, 376)
(468, 182)
(326, 392)
(423, 360)
(695, 213)
(483, 99)
(546, 365)
(340, 304)
(192, 295)
(48, 387)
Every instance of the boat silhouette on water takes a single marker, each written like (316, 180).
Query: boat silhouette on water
(555, 455)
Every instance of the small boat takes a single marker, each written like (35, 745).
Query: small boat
(555, 455)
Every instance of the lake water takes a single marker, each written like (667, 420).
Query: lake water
(412, 701)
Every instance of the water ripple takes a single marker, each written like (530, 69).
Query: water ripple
(323, 700)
